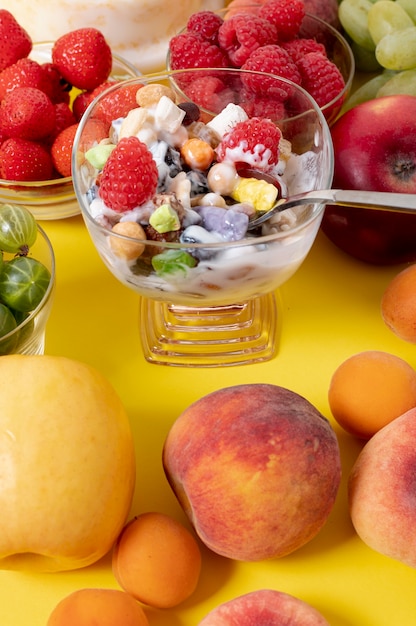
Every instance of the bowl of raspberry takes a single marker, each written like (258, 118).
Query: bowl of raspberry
(167, 197)
(276, 37)
(44, 89)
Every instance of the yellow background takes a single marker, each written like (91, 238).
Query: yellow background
(329, 310)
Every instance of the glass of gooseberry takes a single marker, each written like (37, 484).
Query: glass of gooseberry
(27, 278)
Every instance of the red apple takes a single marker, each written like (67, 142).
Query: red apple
(375, 150)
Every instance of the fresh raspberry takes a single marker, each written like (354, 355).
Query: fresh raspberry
(254, 142)
(115, 104)
(275, 60)
(297, 48)
(15, 41)
(240, 36)
(320, 77)
(54, 85)
(286, 15)
(27, 112)
(191, 50)
(205, 24)
(24, 160)
(83, 57)
(24, 73)
(61, 150)
(272, 108)
(209, 92)
(129, 177)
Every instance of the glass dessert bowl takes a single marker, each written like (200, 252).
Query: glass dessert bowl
(55, 198)
(207, 283)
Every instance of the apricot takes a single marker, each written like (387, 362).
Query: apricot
(157, 560)
(398, 304)
(106, 607)
(369, 390)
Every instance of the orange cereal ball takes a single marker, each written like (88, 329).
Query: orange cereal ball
(398, 304)
(128, 249)
(157, 560)
(369, 390)
(106, 607)
(197, 153)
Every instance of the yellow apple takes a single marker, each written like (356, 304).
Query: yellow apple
(67, 464)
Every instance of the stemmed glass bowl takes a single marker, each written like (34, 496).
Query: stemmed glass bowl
(219, 309)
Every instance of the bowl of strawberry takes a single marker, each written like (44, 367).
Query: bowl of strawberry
(274, 36)
(168, 192)
(44, 89)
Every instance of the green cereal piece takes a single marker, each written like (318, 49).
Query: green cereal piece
(173, 262)
(99, 154)
(164, 219)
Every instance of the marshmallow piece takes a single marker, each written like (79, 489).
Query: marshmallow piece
(231, 115)
(168, 116)
(164, 219)
(134, 121)
(261, 194)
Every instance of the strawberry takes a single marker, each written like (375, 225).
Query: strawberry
(254, 142)
(15, 41)
(54, 85)
(129, 177)
(24, 160)
(24, 73)
(116, 104)
(28, 113)
(83, 99)
(64, 117)
(61, 150)
(83, 57)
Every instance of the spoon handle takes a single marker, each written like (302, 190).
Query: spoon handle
(403, 202)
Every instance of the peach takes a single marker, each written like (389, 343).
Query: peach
(398, 304)
(157, 560)
(265, 606)
(106, 607)
(381, 490)
(256, 468)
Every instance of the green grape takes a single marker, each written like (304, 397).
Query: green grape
(386, 17)
(353, 15)
(18, 229)
(369, 90)
(397, 51)
(400, 83)
(409, 6)
(23, 283)
(7, 324)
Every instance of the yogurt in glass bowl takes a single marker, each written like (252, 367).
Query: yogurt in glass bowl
(207, 283)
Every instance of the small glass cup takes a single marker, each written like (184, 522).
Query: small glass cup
(29, 336)
(222, 311)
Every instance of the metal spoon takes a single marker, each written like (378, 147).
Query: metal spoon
(383, 201)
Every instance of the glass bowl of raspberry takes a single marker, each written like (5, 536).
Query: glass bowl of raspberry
(47, 192)
(27, 281)
(273, 37)
(168, 194)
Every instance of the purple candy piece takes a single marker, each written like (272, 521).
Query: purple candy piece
(231, 225)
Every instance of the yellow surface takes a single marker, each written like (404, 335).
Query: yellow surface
(330, 310)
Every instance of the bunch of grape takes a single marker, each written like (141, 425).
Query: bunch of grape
(383, 39)
(23, 280)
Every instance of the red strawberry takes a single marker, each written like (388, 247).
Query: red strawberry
(83, 99)
(83, 57)
(24, 73)
(254, 142)
(54, 85)
(15, 41)
(129, 177)
(24, 160)
(61, 150)
(116, 104)
(27, 112)
(64, 117)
